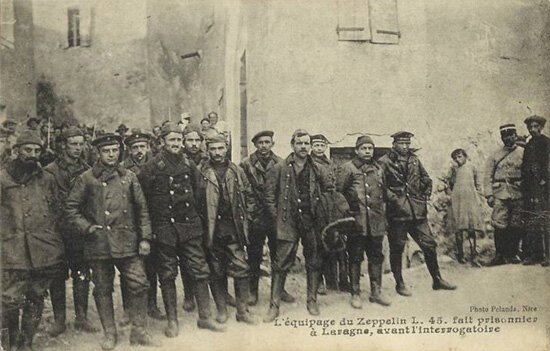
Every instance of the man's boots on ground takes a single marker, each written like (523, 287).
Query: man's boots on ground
(313, 277)
(80, 296)
(254, 286)
(59, 302)
(152, 307)
(375, 276)
(241, 294)
(433, 268)
(229, 299)
(499, 247)
(396, 267)
(355, 276)
(285, 295)
(459, 236)
(138, 315)
(189, 291)
(32, 314)
(205, 320)
(277, 282)
(125, 320)
(105, 309)
(218, 294)
(169, 296)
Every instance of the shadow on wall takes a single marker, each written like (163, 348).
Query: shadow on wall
(50, 105)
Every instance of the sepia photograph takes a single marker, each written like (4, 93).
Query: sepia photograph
(250, 175)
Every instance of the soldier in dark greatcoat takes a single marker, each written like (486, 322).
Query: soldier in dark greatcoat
(32, 250)
(256, 167)
(292, 191)
(409, 187)
(228, 201)
(362, 182)
(170, 183)
(107, 209)
(66, 168)
(535, 174)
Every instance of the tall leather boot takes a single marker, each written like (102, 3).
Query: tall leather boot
(229, 299)
(343, 272)
(105, 309)
(355, 276)
(205, 320)
(218, 294)
(254, 285)
(241, 295)
(313, 278)
(32, 314)
(285, 295)
(499, 247)
(433, 268)
(188, 291)
(396, 267)
(125, 320)
(169, 296)
(375, 277)
(59, 301)
(81, 289)
(459, 236)
(277, 281)
(138, 315)
(10, 321)
(512, 254)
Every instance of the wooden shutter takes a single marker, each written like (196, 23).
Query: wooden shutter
(383, 21)
(85, 24)
(353, 20)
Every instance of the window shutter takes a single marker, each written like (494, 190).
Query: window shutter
(353, 20)
(383, 22)
(7, 11)
(85, 25)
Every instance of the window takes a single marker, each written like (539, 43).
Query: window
(373, 21)
(74, 28)
(7, 37)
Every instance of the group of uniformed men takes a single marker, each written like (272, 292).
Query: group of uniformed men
(183, 208)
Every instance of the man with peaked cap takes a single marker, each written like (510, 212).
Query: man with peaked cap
(256, 167)
(170, 182)
(502, 187)
(408, 189)
(535, 174)
(292, 191)
(139, 154)
(362, 182)
(228, 203)
(32, 250)
(107, 208)
(335, 267)
(66, 168)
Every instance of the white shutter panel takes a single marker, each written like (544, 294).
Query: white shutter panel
(353, 20)
(383, 21)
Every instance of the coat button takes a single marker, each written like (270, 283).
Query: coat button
(170, 206)
(242, 218)
(368, 196)
(186, 191)
(186, 176)
(219, 217)
(186, 219)
(368, 208)
(108, 227)
(171, 192)
(104, 184)
(300, 210)
(171, 178)
(107, 213)
(172, 220)
(367, 185)
(187, 204)
(299, 200)
(124, 211)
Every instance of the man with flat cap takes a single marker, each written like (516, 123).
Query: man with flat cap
(66, 168)
(535, 174)
(409, 187)
(256, 167)
(139, 150)
(107, 209)
(502, 186)
(362, 182)
(228, 203)
(335, 266)
(292, 193)
(32, 250)
(171, 185)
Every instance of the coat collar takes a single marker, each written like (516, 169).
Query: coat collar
(98, 170)
(63, 164)
(255, 159)
(291, 159)
(357, 162)
(321, 159)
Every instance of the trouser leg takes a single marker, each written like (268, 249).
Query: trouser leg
(103, 274)
(59, 300)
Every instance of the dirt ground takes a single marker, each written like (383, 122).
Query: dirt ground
(509, 285)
